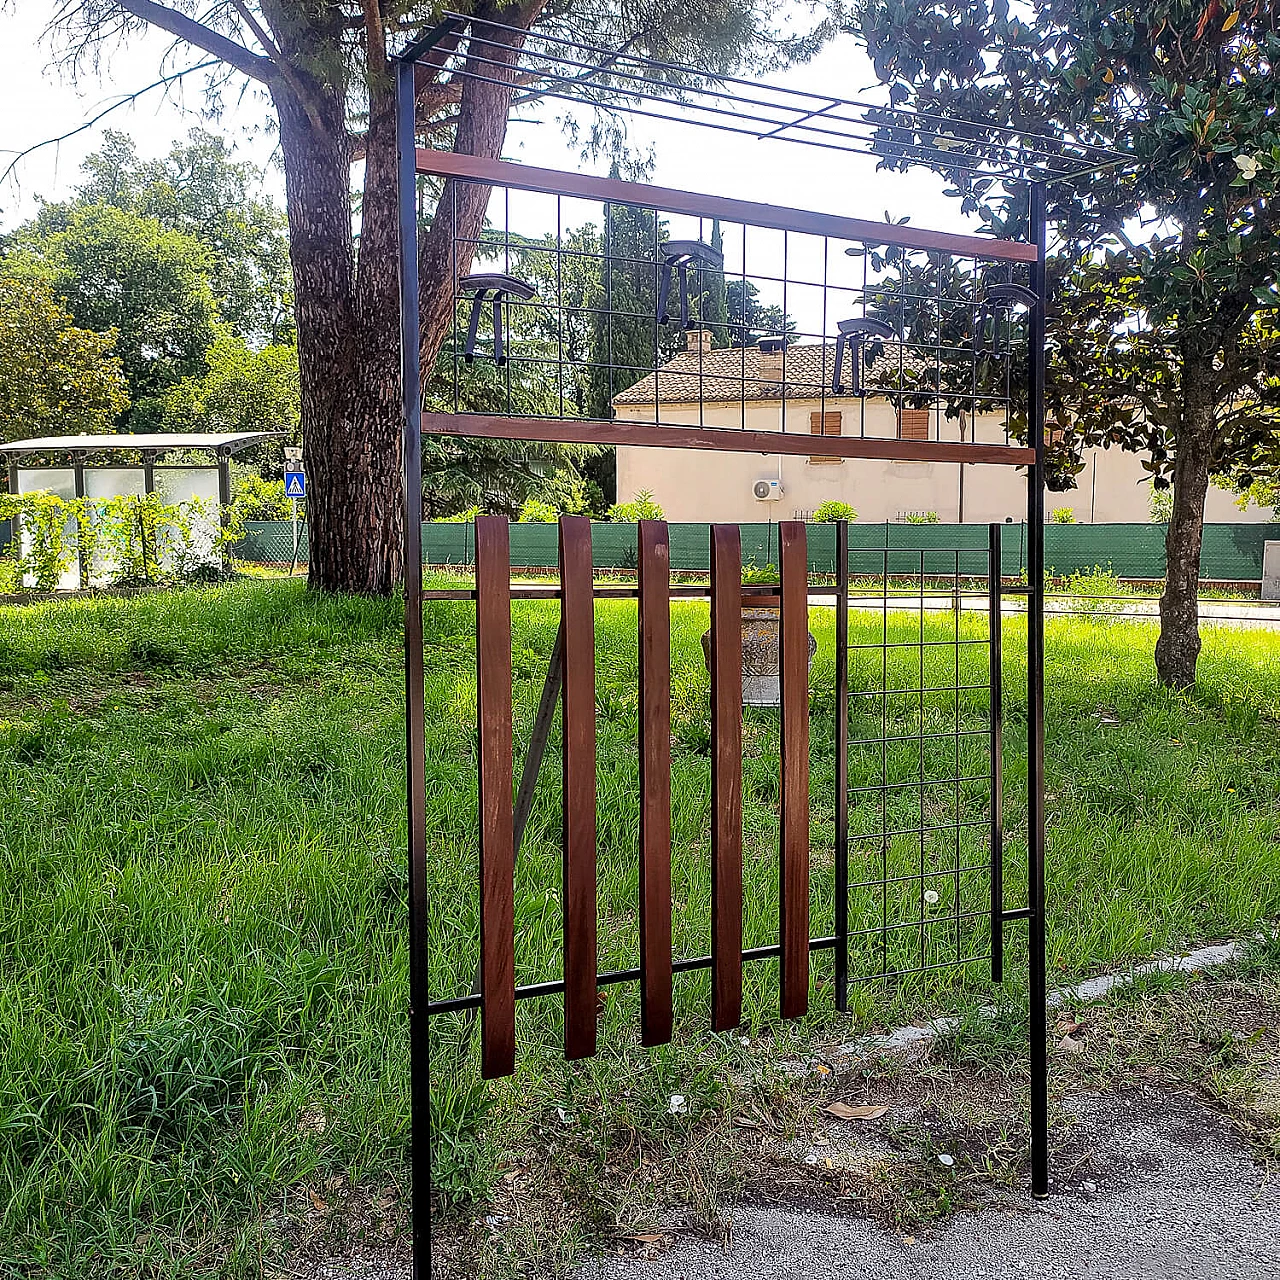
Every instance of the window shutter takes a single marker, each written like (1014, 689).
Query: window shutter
(913, 424)
(824, 424)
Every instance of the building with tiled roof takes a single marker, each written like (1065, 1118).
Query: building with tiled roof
(791, 390)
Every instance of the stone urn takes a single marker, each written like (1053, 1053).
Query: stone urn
(761, 628)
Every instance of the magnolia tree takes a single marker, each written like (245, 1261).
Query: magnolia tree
(326, 70)
(1163, 320)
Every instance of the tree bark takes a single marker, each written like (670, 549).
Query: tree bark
(1178, 647)
(348, 340)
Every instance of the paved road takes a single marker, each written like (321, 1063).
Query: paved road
(1177, 1198)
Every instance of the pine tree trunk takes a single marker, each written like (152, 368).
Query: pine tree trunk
(1178, 647)
(348, 317)
(348, 359)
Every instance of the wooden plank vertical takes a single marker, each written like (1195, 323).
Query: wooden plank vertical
(497, 848)
(653, 563)
(726, 776)
(579, 723)
(793, 658)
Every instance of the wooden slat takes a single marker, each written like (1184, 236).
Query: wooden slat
(726, 776)
(522, 177)
(497, 849)
(653, 562)
(579, 724)
(719, 439)
(793, 898)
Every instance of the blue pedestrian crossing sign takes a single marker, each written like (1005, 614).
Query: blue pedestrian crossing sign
(295, 484)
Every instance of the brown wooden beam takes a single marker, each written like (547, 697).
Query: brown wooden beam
(722, 439)
(503, 173)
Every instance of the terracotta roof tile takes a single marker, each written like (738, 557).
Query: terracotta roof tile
(733, 374)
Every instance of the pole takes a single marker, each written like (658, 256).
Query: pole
(415, 697)
(842, 767)
(1035, 706)
(293, 564)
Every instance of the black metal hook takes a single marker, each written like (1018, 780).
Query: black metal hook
(501, 287)
(680, 255)
(996, 308)
(854, 335)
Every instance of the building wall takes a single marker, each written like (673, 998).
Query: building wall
(694, 486)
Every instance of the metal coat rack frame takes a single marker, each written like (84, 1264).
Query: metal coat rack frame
(924, 370)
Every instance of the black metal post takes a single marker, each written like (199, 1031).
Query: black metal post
(842, 766)
(224, 500)
(1035, 711)
(414, 688)
(994, 643)
(82, 563)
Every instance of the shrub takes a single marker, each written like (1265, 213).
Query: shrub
(641, 507)
(1062, 515)
(831, 511)
(759, 575)
(257, 499)
(46, 546)
(461, 517)
(535, 511)
(922, 517)
(130, 539)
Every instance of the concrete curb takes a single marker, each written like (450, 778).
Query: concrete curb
(906, 1038)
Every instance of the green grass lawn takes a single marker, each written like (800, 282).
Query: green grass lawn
(204, 973)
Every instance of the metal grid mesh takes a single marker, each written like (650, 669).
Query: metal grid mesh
(924, 739)
(592, 328)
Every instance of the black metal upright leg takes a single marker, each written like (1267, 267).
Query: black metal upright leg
(414, 689)
(996, 746)
(842, 766)
(1035, 713)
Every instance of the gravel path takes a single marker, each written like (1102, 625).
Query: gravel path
(1171, 1194)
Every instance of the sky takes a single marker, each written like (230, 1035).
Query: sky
(37, 103)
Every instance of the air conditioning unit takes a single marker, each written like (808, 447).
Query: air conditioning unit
(767, 490)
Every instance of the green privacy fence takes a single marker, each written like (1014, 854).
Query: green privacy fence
(1232, 552)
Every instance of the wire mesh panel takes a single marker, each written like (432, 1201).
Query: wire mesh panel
(924, 830)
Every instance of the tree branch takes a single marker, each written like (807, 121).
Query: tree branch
(115, 106)
(287, 71)
(196, 33)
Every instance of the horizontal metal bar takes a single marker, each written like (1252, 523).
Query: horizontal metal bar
(921, 877)
(1018, 913)
(616, 976)
(914, 831)
(917, 782)
(916, 693)
(922, 737)
(503, 173)
(795, 99)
